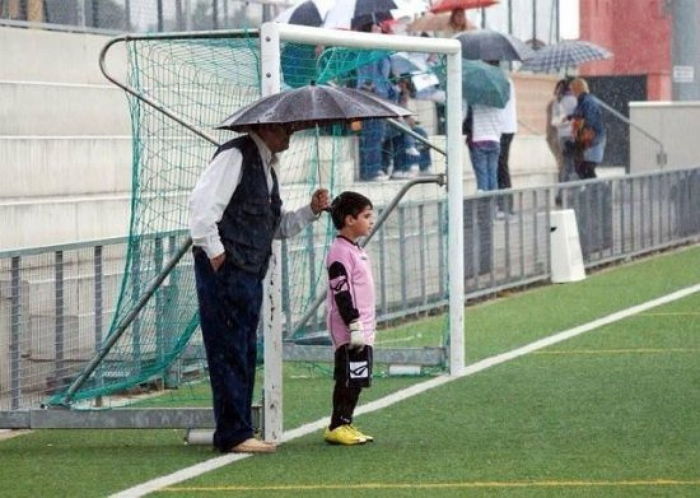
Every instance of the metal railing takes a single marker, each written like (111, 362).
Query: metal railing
(138, 16)
(56, 301)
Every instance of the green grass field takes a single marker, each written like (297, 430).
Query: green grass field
(613, 412)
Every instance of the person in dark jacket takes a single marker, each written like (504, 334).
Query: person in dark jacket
(235, 213)
(590, 135)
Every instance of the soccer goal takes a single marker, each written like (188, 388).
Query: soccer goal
(180, 87)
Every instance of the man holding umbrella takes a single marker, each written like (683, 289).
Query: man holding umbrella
(235, 213)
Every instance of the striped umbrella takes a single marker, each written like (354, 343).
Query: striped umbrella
(563, 55)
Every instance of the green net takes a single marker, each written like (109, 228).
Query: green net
(201, 81)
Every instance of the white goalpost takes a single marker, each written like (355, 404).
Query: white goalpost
(272, 35)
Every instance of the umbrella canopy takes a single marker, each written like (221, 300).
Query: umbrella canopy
(352, 14)
(306, 13)
(563, 55)
(407, 63)
(312, 105)
(447, 5)
(484, 84)
(434, 22)
(488, 45)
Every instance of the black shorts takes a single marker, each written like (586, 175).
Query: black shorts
(353, 367)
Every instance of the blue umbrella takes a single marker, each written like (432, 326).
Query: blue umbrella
(484, 84)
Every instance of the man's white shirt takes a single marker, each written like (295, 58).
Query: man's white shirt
(213, 192)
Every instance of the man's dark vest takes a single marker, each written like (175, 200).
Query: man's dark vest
(252, 216)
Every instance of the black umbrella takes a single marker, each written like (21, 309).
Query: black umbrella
(488, 45)
(313, 105)
(308, 13)
(353, 14)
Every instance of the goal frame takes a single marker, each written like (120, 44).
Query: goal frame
(272, 35)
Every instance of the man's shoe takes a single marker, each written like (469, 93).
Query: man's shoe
(344, 435)
(252, 445)
(361, 434)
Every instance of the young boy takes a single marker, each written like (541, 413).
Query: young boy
(350, 319)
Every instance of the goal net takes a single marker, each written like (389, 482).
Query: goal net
(180, 88)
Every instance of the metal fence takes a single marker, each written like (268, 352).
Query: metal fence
(55, 302)
(138, 16)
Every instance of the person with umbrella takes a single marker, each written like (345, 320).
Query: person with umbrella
(588, 130)
(235, 213)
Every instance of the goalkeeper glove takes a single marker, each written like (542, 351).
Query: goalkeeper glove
(357, 338)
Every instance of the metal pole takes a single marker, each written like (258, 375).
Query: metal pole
(534, 24)
(97, 266)
(127, 14)
(510, 17)
(455, 191)
(684, 50)
(272, 311)
(15, 358)
(557, 20)
(661, 157)
(439, 179)
(159, 11)
(59, 319)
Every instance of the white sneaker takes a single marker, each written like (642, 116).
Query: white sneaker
(379, 177)
(403, 175)
(412, 151)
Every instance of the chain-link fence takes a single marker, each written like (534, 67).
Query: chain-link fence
(139, 15)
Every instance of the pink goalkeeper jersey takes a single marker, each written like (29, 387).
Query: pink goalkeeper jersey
(350, 291)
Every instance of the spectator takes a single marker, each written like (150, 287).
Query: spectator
(483, 131)
(563, 105)
(374, 77)
(235, 212)
(351, 308)
(588, 130)
(508, 131)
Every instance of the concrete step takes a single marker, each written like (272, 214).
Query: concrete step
(36, 55)
(62, 220)
(38, 166)
(37, 108)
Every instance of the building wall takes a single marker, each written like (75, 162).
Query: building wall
(638, 32)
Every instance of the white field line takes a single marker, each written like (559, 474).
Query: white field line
(215, 463)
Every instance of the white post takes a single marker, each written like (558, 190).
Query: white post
(455, 202)
(270, 36)
(272, 303)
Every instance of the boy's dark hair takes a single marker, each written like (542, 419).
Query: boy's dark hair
(348, 203)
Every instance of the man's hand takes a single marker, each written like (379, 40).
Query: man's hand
(320, 201)
(357, 337)
(217, 261)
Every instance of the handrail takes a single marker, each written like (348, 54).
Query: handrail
(661, 156)
(439, 179)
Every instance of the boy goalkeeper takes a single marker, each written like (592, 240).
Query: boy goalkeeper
(350, 320)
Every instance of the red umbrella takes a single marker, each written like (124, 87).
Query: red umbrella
(446, 5)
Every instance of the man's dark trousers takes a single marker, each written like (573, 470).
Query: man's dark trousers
(229, 310)
(505, 202)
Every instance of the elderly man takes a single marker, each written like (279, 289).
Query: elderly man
(235, 212)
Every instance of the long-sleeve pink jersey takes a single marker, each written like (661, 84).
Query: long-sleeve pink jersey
(350, 291)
